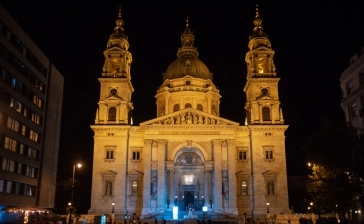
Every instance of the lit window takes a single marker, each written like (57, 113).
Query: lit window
(112, 114)
(266, 113)
(134, 188)
(33, 135)
(10, 144)
(8, 165)
(244, 187)
(36, 118)
(37, 101)
(13, 124)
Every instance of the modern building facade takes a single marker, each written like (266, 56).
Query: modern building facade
(351, 83)
(189, 156)
(31, 91)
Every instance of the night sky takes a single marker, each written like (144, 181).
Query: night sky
(313, 41)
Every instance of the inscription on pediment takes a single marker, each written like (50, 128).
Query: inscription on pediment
(188, 119)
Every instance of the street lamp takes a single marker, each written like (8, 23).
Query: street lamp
(112, 212)
(79, 165)
(308, 209)
(311, 205)
(267, 207)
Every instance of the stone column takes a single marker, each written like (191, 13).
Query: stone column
(147, 173)
(217, 200)
(231, 175)
(171, 190)
(208, 186)
(161, 154)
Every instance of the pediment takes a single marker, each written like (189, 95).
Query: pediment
(189, 116)
(261, 97)
(113, 98)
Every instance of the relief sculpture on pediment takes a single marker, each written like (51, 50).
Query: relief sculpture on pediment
(190, 118)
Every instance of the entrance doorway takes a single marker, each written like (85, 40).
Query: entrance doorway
(189, 199)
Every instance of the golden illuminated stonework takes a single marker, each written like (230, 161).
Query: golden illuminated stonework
(188, 155)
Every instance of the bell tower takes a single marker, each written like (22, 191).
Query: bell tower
(262, 105)
(115, 104)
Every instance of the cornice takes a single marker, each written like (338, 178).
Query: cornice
(278, 127)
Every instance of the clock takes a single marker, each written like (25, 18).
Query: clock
(264, 91)
(114, 92)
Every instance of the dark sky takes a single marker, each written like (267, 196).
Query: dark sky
(313, 41)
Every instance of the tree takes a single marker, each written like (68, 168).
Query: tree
(337, 153)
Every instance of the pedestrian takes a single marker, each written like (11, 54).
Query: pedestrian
(155, 221)
(289, 221)
(164, 221)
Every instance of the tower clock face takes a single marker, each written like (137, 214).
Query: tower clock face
(264, 91)
(114, 92)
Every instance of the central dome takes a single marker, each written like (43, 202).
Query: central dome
(187, 62)
(191, 66)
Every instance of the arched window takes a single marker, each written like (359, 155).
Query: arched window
(188, 105)
(134, 188)
(244, 188)
(199, 107)
(112, 114)
(176, 107)
(266, 113)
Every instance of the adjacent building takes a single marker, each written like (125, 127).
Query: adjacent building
(189, 157)
(351, 83)
(31, 91)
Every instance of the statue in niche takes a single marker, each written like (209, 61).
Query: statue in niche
(162, 111)
(108, 187)
(270, 188)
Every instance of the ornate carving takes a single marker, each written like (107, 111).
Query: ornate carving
(230, 142)
(148, 142)
(190, 118)
(217, 142)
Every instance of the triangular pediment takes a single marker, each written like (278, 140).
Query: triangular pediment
(113, 98)
(189, 116)
(264, 98)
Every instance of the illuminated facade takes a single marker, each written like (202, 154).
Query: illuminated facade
(351, 83)
(31, 94)
(189, 156)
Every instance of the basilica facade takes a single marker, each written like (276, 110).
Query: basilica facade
(189, 156)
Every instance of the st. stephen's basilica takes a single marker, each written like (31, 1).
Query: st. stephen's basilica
(189, 156)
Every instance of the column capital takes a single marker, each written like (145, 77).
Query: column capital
(217, 142)
(230, 142)
(148, 141)
(160, 141)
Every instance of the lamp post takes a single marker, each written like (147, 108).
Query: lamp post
(268, 207)
(311, 205)
(112, 212)
(79, 165)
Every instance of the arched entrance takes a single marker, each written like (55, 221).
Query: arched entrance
(189, 169)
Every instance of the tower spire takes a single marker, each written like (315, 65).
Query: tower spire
(187, 42)
(119, 22)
